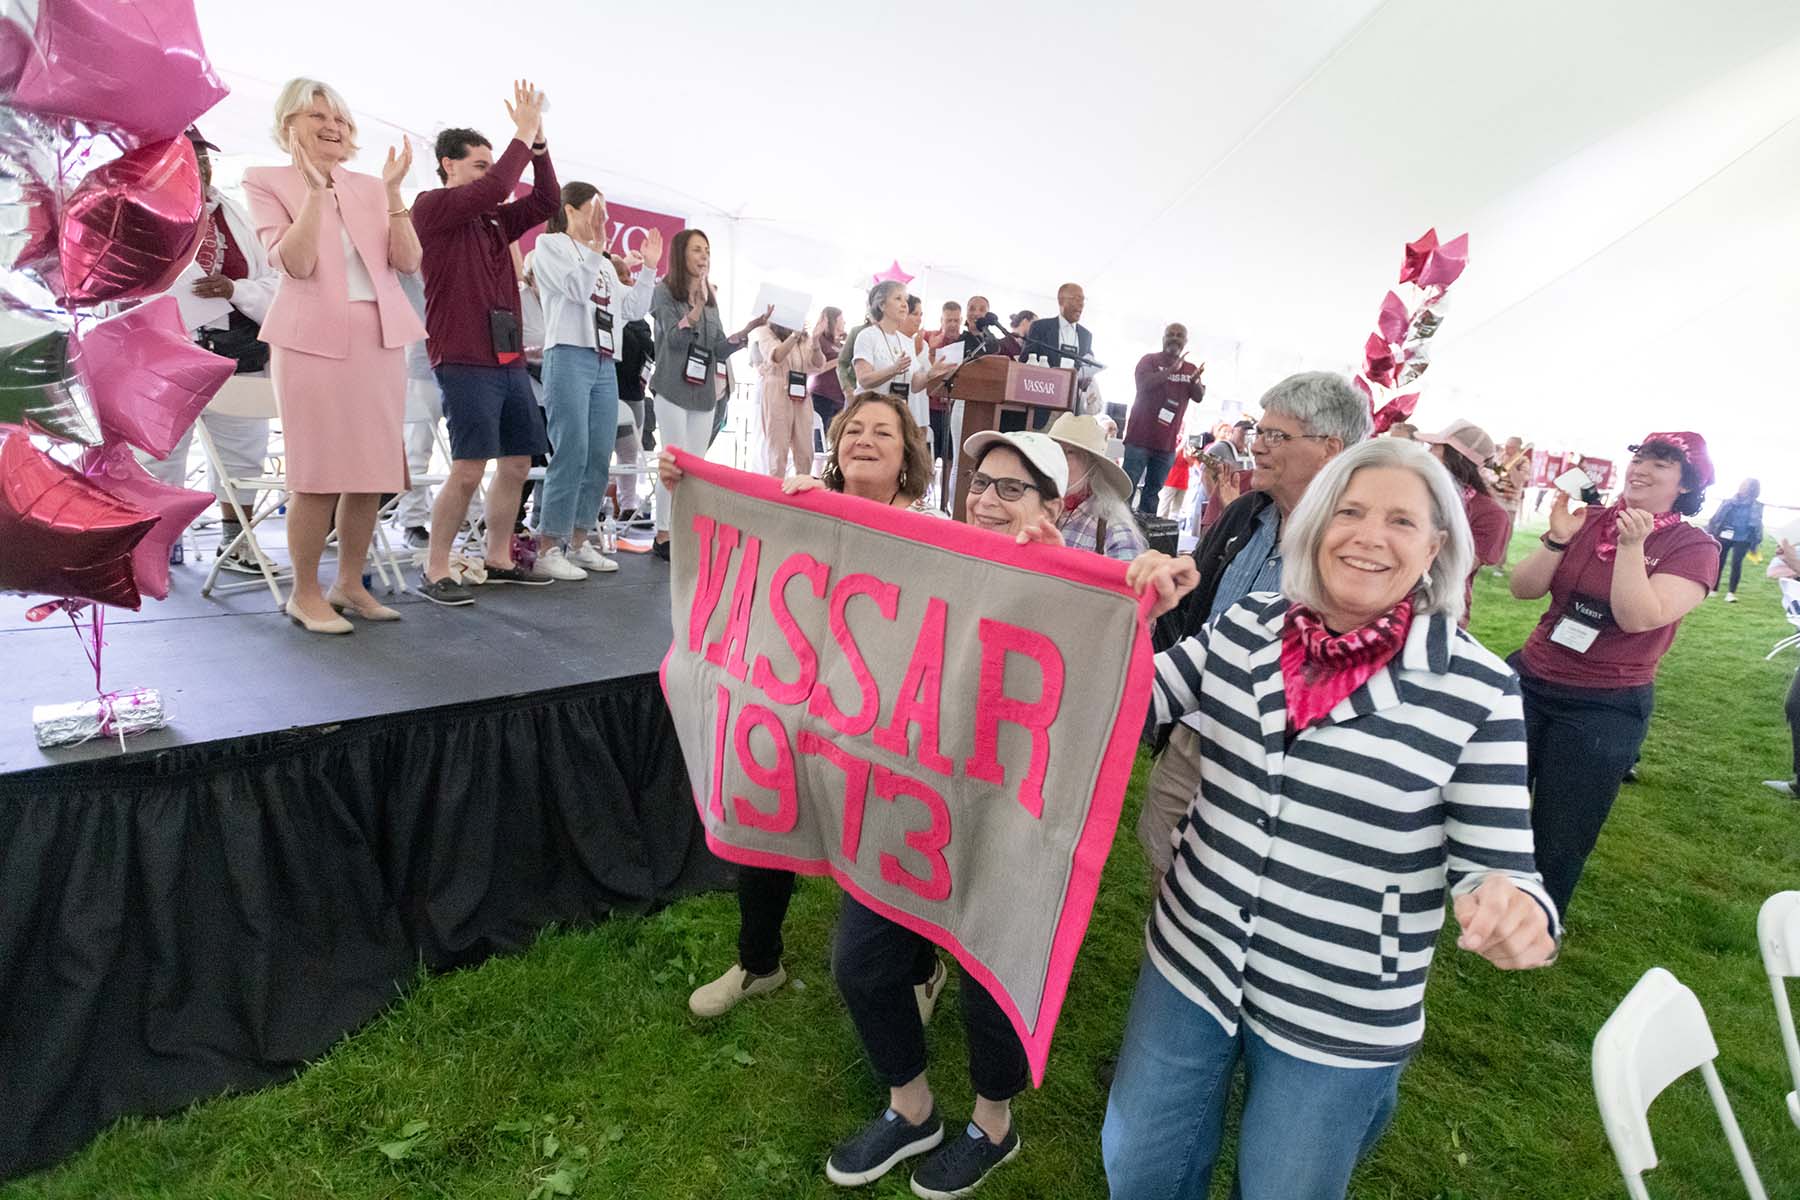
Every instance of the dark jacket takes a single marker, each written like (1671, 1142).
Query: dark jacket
(1214, 553)
(1041, 339)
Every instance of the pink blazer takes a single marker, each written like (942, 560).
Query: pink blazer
(313, 315)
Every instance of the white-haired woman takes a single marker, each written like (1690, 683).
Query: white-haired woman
(1096, 511)
(338, 327)
(1296, 926)
(882, 356)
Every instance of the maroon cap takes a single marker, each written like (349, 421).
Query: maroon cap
(1692, 447)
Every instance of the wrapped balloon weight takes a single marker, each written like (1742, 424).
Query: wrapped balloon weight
(117, 472)
(148, 381)
(133, 224)
(62, 535)
(1425, 322)
(38, 387)
(135, 65)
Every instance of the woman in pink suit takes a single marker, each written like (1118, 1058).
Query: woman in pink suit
(338, 328)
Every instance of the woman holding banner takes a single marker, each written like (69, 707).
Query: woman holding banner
(1296, 927)
(1016, 490)
(876, 452)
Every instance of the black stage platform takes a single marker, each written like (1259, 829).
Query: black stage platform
(223, 900)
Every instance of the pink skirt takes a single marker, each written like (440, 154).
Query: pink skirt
(343, 418)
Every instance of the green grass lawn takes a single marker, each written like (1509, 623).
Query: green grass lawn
(575, 1069)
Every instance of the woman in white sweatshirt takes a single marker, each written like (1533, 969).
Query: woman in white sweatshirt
(585, 311)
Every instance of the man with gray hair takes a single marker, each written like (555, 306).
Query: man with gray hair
(1308, 419)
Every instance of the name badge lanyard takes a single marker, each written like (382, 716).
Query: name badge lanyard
(697, 358)
(603, 317)
(900, 385)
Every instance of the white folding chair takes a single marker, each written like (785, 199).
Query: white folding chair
(1656, 1035)
(1790, 606)
(246, 396)
(1778, 930)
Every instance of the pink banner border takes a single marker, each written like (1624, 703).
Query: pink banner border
(1095, 842)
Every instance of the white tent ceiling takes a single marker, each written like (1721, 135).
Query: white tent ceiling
(1627, 171)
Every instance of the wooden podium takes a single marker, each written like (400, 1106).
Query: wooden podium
(987, 385)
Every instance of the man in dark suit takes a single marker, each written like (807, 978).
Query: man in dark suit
(1059, 338)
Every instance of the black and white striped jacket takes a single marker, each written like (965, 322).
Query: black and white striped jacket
(1309, 880)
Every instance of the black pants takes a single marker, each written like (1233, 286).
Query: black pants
(940, 433)
(1733, 552)
(1793, 716)
(1580, 742)
(876, 963)
(763, 897)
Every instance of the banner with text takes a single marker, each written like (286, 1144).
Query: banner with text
(942, 720)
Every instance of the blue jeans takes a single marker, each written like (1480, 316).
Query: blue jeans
(581, 399)
(1304, 1125)
(1151, 466)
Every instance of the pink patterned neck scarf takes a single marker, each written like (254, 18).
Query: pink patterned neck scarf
(1320, 668)
(1609, 528)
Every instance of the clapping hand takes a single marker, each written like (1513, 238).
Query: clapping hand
(1564, 525)
(311, 175)
(526, 110)
(1170, 578)
(1634, 526)
(1504, 925)
(393, 171)
(652, 248)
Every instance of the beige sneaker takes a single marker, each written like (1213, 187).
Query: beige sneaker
(719, 997)
(927, 993)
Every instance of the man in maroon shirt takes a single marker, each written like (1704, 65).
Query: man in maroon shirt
(1166, 382)
(476, 332)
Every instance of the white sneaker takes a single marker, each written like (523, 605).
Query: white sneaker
(719, 997)
(553, 563)
(1731, 597)
(1783, 786)
(592, 559)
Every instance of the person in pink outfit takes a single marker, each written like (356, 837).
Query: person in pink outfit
(338, 329)
(784, 359)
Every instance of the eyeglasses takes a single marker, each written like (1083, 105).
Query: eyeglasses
(1275, 437)
(1009, 489)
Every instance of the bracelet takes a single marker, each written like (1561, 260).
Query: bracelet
(399, 212)
(1551, 543)
(539, 147)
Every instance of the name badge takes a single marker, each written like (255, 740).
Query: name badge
(898, 386)
(1725, 535)
(1581, 623)
(603, 332)
(695, 371)
(1070, 350)
(645, 372)
(796, 385)
(1166, 415)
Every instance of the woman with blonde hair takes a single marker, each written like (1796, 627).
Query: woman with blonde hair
(338, 328)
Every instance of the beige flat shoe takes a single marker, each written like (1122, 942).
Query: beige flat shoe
(374, 612)
(335, 625)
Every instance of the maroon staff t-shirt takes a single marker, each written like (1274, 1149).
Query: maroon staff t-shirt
(1616, 659)
(1161, 404)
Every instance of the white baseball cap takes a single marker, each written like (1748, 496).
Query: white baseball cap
(1036, 448)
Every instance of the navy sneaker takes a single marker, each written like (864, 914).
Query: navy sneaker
(881, 1144)
(963, 1164)
(445, 591)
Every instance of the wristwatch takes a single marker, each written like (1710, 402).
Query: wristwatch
(1551, 543)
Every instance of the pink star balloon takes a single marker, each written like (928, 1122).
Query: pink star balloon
(133, 224)
(135, 65)
(894, 275)
(116, 472)
(149, 382)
